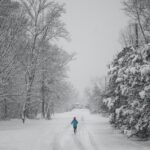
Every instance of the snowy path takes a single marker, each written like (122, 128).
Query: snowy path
(94, 133)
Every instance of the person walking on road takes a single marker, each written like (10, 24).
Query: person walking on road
(74, 124)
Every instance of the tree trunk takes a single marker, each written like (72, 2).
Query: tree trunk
(23, 115)
(137, 38)
(28, 103)
(43, 96)
(5, 109)
(27, 106)
(48, 113)
(139, 22)
(43, 108)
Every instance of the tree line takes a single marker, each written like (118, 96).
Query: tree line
(33, 68)
(126, 97)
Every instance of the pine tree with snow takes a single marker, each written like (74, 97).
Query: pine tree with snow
(129, 102)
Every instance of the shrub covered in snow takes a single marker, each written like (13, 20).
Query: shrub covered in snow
(129, 91)
(109, 102)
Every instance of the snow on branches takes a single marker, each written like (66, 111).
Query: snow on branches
(129, 88)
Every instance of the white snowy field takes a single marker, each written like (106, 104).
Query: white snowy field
(94, 133)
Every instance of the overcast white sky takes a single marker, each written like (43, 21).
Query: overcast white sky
(94, 26)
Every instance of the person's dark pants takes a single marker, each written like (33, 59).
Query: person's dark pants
(75, 129)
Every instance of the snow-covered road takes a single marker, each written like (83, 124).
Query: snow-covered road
(94, 133)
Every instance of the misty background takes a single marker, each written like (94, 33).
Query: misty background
(94, 27)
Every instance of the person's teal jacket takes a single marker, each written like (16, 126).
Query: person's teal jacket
(74, 123)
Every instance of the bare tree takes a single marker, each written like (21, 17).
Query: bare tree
(11, 29)
(39, 31)
(29, 55)
(130, 36)
(53, 73)
(139, 11)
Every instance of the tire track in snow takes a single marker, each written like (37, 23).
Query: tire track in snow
(83, 140)
(59, 139)
(67, 140)
(91, 138)
(85, 137)
(78, 143)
